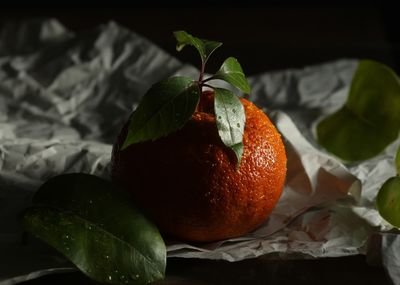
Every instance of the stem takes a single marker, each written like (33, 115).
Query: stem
(203, 66)
(201, 84)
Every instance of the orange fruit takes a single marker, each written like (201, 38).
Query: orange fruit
(188, 181)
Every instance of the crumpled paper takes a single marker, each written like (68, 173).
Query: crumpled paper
(65, 96)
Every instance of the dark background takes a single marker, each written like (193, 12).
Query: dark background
(263, 37)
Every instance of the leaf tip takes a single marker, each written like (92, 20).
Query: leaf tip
(179, 38)
(247, 89)
(183, 38)
(127, 142)
(238, 150)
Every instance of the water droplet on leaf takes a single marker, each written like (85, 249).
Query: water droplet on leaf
(134, 277)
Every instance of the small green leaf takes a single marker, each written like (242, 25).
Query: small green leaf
(388, 201)
(205, 47)
(398, 161)
(96, 227)
(230, 118)
(165, 108)
(370, 119)
(232, 72)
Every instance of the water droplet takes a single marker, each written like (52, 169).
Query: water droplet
(122, 277)
(106, 257)
(238, 125)
(109, 277)
(89, 227)
(134, 277)
(66, 236)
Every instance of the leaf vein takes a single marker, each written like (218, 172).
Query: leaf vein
(94, 225)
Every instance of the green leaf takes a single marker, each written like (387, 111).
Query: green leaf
(398, 161)
(165, 108)
(230, 118)
(232, 72)
(96, 227)
(370, 119)
(388, 201)
(204, 47)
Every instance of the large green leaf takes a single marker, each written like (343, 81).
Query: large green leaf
(232, 72)
(165, 108)
(95, 226)
(388, 201)
(230, 118)
(370, 119)
(204, 47)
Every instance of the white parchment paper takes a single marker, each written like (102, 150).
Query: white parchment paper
(65, 96)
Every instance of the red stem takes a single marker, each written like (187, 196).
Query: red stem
(201, 76)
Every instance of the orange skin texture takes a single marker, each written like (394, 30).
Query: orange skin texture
(188, 181)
